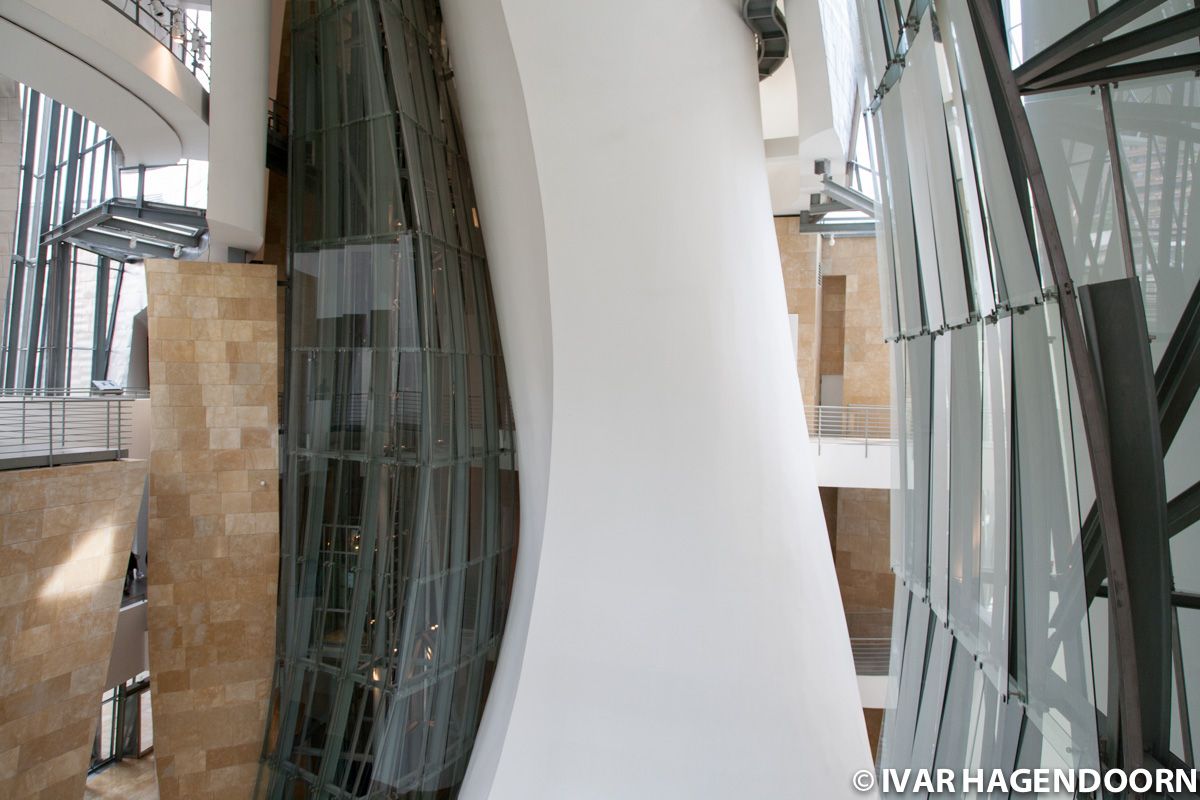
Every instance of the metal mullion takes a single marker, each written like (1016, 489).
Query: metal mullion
(99, 318)
(34, 322)
(51, 117)
(21, 236)
(69, 316)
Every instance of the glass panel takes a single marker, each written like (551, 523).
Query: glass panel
(1068, 128)
(1014, 272)
(934, 197)
(994, 521)
(965, 437)
(1034, 25)
(1158, 125)
(898, 191)
(917, 130)
(962, 717)
(902, 720)
(884, 243)
(939, 482)
(1051, 606)
(933, 696)
(917, 472)
(982, 289)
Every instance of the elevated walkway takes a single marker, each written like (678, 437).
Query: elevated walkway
(852, 446)
(100, 61)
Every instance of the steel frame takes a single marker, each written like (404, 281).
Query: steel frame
(1115, 538)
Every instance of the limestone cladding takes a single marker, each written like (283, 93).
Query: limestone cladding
(65, 537)
(863, 549)
(798, 252)
(214, 521)
(865, 369)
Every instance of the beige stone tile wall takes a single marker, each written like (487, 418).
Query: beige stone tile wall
(867, 377)
(65, 537)
(798, 253)
(833, 326)
(214, 530)
(862, 554)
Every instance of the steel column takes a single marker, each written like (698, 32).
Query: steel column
(1116, 325)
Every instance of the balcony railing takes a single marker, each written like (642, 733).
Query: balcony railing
(870, 640)
(174, 30)
(45, 427)
(849, 424)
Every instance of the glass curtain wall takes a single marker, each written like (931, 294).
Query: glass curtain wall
(65, 306)
(400, 511)
(1002, 629)
(68, 315)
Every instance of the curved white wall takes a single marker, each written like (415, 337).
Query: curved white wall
(676, 629)
(237, 189)
(90, 57)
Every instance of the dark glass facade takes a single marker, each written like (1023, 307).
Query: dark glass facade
(400, 510)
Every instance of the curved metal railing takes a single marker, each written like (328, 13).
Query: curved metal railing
(174, 30)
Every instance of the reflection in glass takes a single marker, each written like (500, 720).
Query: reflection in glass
(401, 497)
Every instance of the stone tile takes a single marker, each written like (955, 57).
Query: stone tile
(74, 528)
(212, 604)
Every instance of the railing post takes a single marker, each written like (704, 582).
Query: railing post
(50, 430)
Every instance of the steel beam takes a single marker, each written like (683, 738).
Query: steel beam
(1094, 30)
(1105, 54)
(1183, 510)
(131, 228)
(1116, 327)
(1177, 378)
(1147, 68)
(116, 246)
(1006, 95)
(1178, 599)
(850, 197)
(866, 228)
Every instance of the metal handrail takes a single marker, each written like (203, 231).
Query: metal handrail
(277, 117)
(872, 655)
(191, 51)
(44, 427)
(850, 423)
